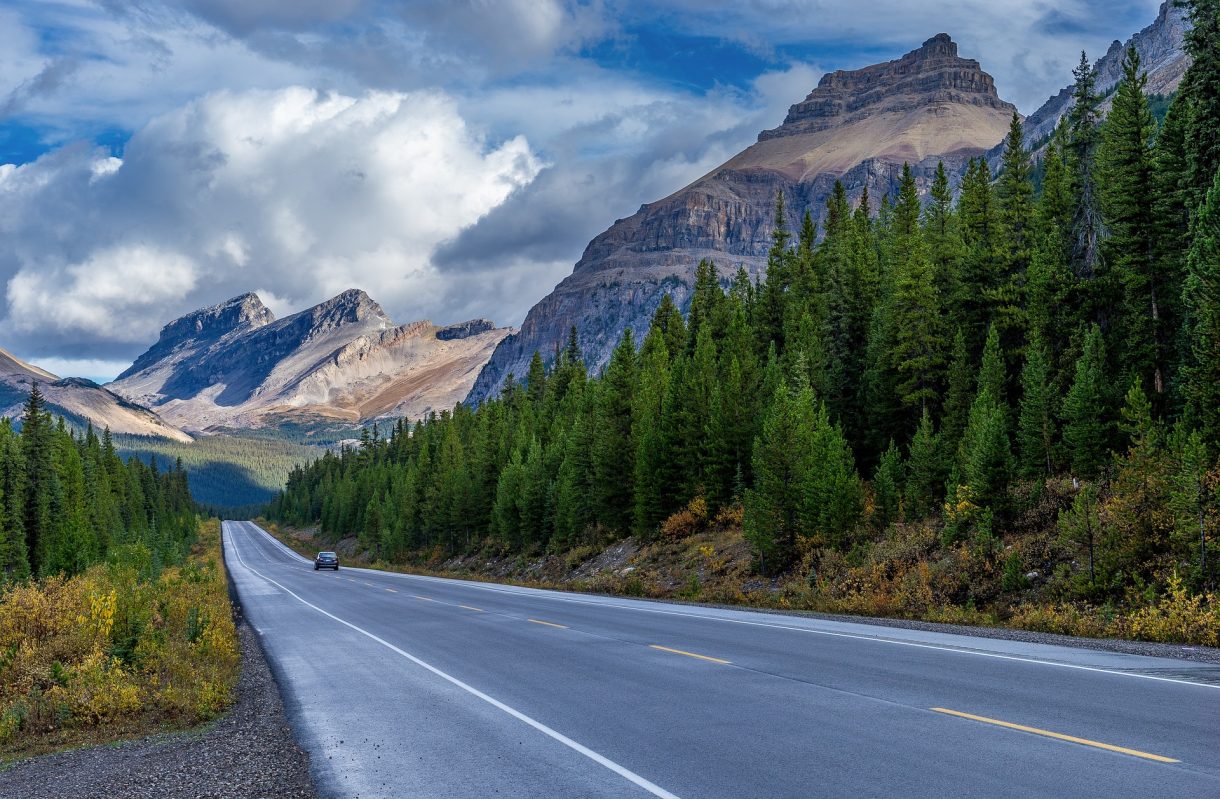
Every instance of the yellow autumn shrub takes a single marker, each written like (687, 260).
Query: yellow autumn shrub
(102, 647)
(1178, 617)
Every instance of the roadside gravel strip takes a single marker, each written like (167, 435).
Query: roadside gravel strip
(249, 753)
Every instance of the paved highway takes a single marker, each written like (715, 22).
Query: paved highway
(406, 686)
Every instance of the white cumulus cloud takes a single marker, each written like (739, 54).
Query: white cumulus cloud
(299, 192)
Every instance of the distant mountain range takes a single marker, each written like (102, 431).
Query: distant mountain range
(858, 127)
(78, 400)
(235, 365)
(344, 362)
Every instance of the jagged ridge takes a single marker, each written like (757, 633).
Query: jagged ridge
(235, 365)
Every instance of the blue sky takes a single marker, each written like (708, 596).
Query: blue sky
(165, 154)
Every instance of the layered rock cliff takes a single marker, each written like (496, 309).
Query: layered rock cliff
(857, 126)
(235, 365)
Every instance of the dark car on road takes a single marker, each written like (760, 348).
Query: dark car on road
(326, 560)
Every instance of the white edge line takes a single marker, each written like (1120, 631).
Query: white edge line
(542, 594)
(601, 760)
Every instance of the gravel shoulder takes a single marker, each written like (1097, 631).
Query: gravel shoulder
(249, 752)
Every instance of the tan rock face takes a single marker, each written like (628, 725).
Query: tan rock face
(932, 76)
(235, 365)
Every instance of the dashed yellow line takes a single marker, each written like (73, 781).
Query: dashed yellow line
(469, 607)
(721, 661)
(1058, 736)
(549, 624)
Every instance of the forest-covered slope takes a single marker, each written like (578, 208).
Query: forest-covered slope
(1020, 385)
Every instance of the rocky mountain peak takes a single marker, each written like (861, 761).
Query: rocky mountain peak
(463, 330)
(351, 307)
(242, 313)
(941, 44)
(931, 75)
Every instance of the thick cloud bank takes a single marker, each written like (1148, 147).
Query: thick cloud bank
(297, 193)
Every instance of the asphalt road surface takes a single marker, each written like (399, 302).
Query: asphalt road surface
(406, 686)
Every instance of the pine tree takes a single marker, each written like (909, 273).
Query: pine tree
(613, 450)
(925, 471)
(651, 455)
(959, 394)
(1086, 428)
(943, 235)
(782, 462)
(993, 371)
(41, 482)
(1016, 221)
(770, 311)
(707, 305)
(1125, 166)
(14, 557)
(918, 352)
(1087, 228)
(1036, 432)
(1050, 279)
(887, 488)
(833, 494)
(847, 254)
(1201, 298)
(1200, 88)
(986, 460)
(971, 307)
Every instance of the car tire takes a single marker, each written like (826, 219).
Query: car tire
(315, 567)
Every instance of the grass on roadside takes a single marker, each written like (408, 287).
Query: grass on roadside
(910, 577)
(107, 655)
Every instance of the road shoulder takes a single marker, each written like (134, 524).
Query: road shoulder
(248, 752)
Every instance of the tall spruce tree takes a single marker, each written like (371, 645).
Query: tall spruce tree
(919, 340)
(782, 462)
(1200, 89)
(1086, 410)
(971, 307)
(1036, 433)
(1201, 299)
(613, 450)
(1016, 219)
(1125, 167)
(1087, 226)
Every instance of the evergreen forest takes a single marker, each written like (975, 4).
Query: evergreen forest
(1032, 354)
(68, 501)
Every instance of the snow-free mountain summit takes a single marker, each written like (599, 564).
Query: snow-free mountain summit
(343, 360)
(857, 126)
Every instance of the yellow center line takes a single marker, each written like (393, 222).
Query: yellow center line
(691, 654)
(425, 598)
(1058, 736)
(549, 624)
(468, 607)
